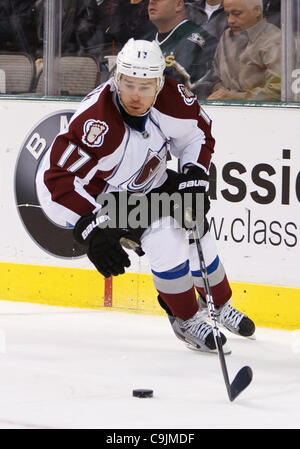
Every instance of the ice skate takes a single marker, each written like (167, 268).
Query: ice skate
(227, 316)
(196, 334)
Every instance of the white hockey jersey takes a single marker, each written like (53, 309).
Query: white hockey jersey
(98, 152)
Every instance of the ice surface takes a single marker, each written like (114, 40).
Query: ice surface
(74, 368)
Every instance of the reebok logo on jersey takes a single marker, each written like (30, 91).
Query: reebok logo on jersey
(188, 184)
(94, 132)
(188, 96)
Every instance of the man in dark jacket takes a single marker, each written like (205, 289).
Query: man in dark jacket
(78, 25)
(209, 14)
(188, 48)
(17, 30)
(130, 19)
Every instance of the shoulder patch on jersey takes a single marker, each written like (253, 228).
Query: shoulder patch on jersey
(188, 96)
(197, 39)
(94, 132)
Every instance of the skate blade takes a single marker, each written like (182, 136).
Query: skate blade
(251, 337)
(226, 349)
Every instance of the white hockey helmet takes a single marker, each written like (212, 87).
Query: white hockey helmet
(141, 59)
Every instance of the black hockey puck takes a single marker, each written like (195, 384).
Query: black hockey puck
(142, 393)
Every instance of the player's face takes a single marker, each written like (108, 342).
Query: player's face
(239, 16)
(137, 94)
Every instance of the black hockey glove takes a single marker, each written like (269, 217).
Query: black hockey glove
(195, 206)
(103, 244)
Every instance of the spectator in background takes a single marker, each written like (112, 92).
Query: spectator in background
(78, 25)
(17, 26)
(130, 19)
(209, 14)
(116, 22)
(102, 43)
(105, 11)
(246, 65)
(272, 11)
(187, 47)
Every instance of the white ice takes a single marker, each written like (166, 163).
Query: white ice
(73, 368)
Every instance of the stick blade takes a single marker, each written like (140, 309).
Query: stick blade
(240, 382)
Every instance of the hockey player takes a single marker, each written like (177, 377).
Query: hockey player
(118, 142)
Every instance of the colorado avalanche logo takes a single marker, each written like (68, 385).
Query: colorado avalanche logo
(154, 165)
(188, 96)
(94, 132)
(149, 168)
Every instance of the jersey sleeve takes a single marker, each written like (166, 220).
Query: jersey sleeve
(198, 146)
(188, 126)
(68, 168)
(72, 173)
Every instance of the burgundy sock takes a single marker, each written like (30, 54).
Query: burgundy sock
(221, 292)
(183, 305)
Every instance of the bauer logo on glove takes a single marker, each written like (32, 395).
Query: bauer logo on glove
(187, 184)
(94, 224)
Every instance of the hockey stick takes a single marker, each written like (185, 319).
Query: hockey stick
(245, 374)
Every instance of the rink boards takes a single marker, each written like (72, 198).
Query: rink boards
(269, 306)
(255, 195)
